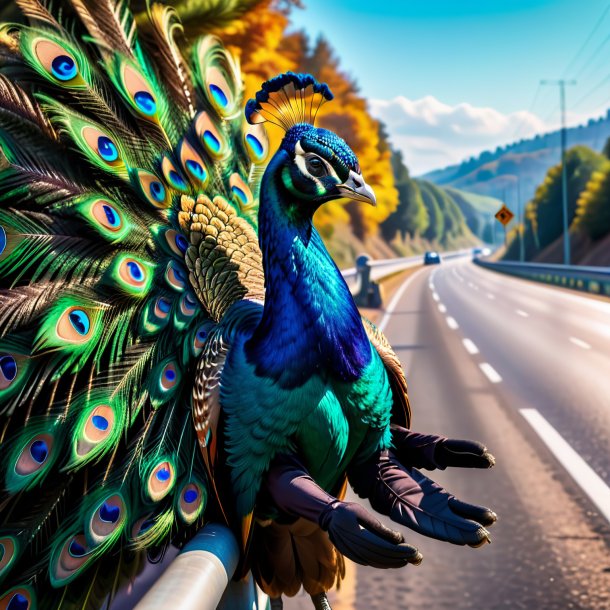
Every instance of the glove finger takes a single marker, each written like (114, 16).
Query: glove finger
(481, 514)
(466, 454)
(378, 552)
(366, 520)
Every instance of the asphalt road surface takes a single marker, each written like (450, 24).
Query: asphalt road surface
(526, 369)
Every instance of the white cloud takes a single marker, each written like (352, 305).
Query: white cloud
(432, 134)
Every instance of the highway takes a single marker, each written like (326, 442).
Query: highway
(525, 368)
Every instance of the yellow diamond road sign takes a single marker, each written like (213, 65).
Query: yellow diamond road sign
(504, 215)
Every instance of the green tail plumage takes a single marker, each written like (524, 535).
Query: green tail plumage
(119, 160)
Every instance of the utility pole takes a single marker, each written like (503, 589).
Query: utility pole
(520, 220)
(561, 83)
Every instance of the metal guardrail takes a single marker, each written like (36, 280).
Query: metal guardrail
(383, 268)
(199, 578)
(595, 280)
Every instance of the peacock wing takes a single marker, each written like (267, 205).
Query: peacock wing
(401, 410)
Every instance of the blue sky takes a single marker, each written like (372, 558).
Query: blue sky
(471, 54)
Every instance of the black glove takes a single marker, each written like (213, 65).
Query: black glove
(352, 529)
(410, 498)
(431, 451)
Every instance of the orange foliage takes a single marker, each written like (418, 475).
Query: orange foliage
(265, 49)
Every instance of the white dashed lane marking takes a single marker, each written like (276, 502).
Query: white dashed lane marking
(580, 343)
(490, 296)
(490, 372)
(442, 308)
(522, 313)
(471, 348)
(451, 323)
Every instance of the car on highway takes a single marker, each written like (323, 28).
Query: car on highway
(432, 258)
(480, 251)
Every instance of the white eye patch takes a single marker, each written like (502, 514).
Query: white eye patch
(300, 159)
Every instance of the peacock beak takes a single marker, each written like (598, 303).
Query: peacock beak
(356, 188)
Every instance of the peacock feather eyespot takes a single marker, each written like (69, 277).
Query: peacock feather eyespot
(107, 520)
(68, 559)
(145, 102)
(56, 61)
(135, 88)
(188, 305)
(211, 138)
(17, 599)
(9, 549)
(182, 243)
(190, 503)
(110, 513)
(100, 422)
(211, 142)
(104, 216)
(157, 190)
(177, 180)
(34, 455)
(193, 164)
(196, 169)
(133, 275)
(161, 480)
(107, 149)
(74, 325)
(79, 321)
(256, 142)
(173, 176)
(64, 68)
(76, 549)
(218, 95)
(152, 188)
(169, 377)
(242, 194)
(162, 307)
(98, 426)
(175, 276)
(8, 370)
(39, 450)
(199, 340)
(2, 240)
(190, 495)
(255, 145)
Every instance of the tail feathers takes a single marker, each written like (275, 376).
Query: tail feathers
(289, 557)
(128, 198)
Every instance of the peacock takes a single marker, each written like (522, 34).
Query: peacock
(176, 343)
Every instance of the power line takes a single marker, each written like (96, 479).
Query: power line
(591, 91)
(588, 39)
(587, 63)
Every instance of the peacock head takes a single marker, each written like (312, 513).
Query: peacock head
(315, 165)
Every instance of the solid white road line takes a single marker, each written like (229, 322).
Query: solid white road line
(588, 480)
(490, 296)
(580, 343)
(395, 299)
(522, 313)
(490, 372)
(451, 323)
(442, 308)
(471, 348)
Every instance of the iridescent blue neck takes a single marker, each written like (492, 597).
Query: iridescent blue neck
(310, 323)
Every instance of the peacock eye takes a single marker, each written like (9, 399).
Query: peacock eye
(316, 167)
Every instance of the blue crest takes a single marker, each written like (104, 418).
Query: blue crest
(288, 100)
